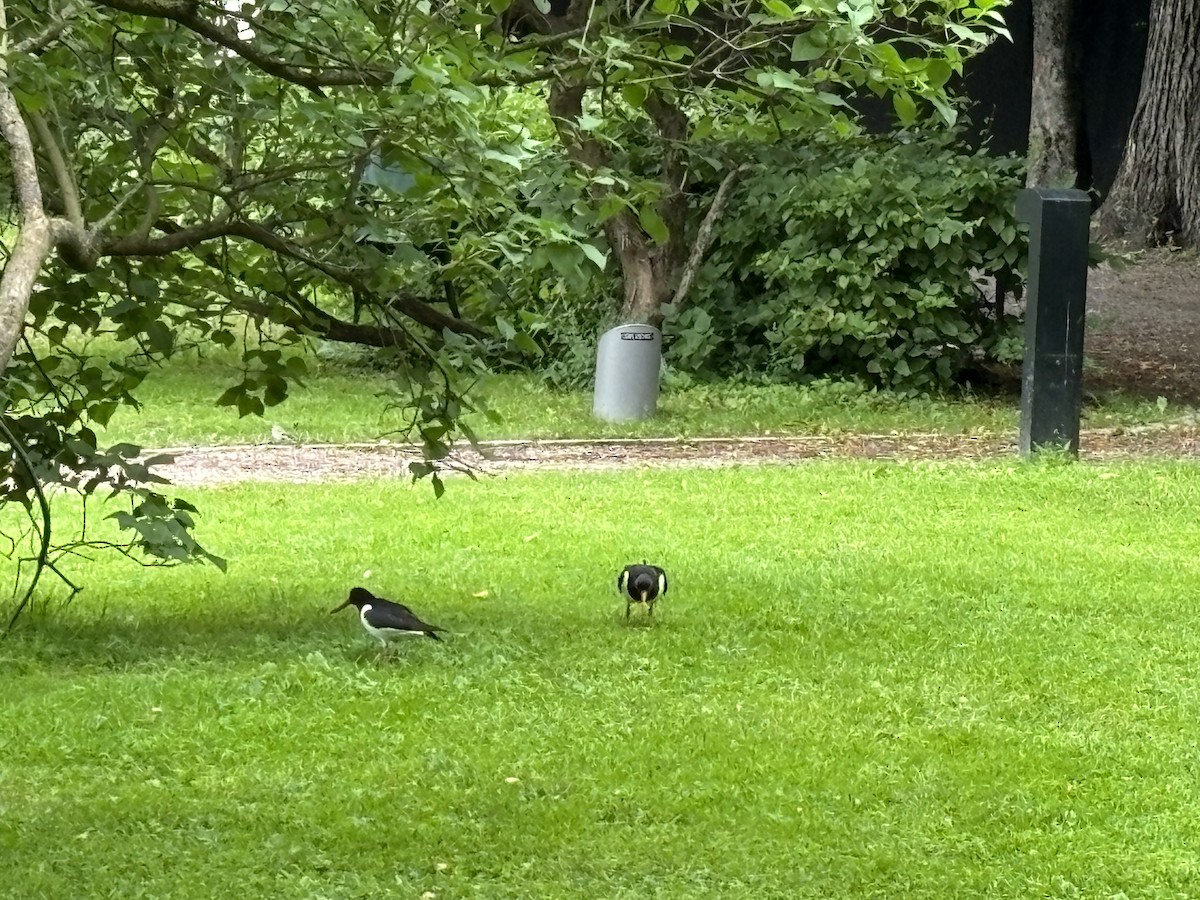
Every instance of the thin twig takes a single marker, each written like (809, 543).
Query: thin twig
(61, 169)
(44, 38)
(705, 234)
(43, 506)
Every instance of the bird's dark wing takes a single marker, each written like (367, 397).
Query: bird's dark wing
(623, 579)
(386, 614)
(662, 580)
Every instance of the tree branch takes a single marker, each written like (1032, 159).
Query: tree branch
(76, 245)
(35, 235)
(59, 168)
(672, 126)
(178, 238)
(704, 236)
(565, 103)
(308, 76)
(48, 35)
(533, 76)
(99, 227)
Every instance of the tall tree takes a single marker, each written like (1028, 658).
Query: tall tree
(1156, 196)
(1055, 123)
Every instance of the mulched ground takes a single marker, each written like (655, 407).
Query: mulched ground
(1143, 338)
(1144, 328)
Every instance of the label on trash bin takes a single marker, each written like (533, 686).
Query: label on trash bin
(637, 335)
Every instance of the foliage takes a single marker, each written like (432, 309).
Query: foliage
(825, 263)
(860, 258)
(637, 91)
(195, 175)
(976, 684)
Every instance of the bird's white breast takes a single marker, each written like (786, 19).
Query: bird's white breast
(362, 617)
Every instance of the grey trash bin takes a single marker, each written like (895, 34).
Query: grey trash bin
(628, 359)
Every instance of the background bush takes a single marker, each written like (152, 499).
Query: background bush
(865, 258)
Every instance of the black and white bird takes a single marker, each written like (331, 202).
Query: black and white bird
(386, 620)
(642, 583)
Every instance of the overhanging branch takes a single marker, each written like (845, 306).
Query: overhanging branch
(54, 28)
(313, 77)
(178, 238)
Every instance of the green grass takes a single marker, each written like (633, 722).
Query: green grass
(869, 680)
(339, 404)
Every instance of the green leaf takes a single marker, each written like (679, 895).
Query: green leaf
(905, 106)
(948, 113)
(595, 255)
(653, 224)
(938, 72)
(276, 391)
(249, 405)
(527, 344)
(889, 56)
(635, 94)
(804, 50)
(508, 159)
(231, 395)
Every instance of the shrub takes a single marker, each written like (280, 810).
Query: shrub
(861, 257)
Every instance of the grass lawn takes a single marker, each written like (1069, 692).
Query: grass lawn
(868, 680)
(341, 404)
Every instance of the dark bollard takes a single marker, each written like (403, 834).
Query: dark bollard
(1055, 295)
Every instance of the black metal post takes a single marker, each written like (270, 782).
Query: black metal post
(1055, 296)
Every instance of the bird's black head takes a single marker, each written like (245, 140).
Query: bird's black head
(358, 596)
(643, 583)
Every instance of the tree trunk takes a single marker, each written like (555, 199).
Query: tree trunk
(35, 232)
(647, 271)
(1055, 118)
(645, 287)
(1156, 196)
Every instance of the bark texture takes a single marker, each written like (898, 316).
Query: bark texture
(1156, 196)
(34, 239)
(1055, 118)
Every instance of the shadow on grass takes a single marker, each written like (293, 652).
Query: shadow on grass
(498, 632)
(79, 638)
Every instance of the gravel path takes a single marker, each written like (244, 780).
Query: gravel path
(299, 464)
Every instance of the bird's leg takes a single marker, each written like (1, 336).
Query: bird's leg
(650, 609)
(628, 603)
